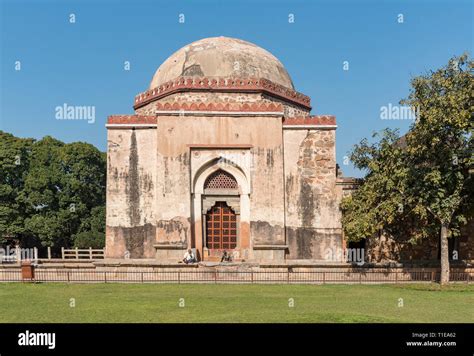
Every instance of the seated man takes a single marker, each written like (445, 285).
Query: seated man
(226, 257)
(189, 257)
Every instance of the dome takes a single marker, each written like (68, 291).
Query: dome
(222, 57)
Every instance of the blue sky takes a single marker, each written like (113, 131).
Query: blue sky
(83, 63)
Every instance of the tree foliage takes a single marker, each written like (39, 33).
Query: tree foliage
(49, 190)
(14, 164)
(420, 185)
(440, 144)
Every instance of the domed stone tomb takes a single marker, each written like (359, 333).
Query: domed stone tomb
(222, 154)
(222, 57)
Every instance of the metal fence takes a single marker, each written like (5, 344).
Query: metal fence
(355, 276)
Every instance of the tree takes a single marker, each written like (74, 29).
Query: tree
(440, 148)
(420, 183)
(379, 207)
(92, 230)
(14, 164)
(46, 202)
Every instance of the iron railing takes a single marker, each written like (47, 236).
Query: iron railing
(355, 276)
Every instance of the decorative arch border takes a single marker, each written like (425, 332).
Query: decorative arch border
(238, 200)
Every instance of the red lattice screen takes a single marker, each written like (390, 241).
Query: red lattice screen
(221, 227)
(220, 180)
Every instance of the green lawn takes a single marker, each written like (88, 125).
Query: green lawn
(144, 303)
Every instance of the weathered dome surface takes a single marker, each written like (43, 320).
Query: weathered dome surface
(222, 57)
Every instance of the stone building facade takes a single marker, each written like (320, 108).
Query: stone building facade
(222, 153)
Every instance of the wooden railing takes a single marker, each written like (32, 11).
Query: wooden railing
(77, 254)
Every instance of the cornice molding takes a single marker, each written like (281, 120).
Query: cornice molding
(310, 120)
(232, 85)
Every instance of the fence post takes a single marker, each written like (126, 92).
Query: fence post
(324, 277)
(142, 277)
(49, 252)
(35, 253)
(179, 277)
(288, 276)
(105, 276)
(396, 276)
(252, 277)
(215, 277)
(360, 277)
(90, 253)
(68, 278)
(77, 253)
(433, 276)
(62, 253)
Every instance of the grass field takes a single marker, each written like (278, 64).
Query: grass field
(143, 303)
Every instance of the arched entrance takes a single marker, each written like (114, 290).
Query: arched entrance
(221, 210)
(221, 204)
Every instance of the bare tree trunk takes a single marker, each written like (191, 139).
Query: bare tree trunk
(444, 255)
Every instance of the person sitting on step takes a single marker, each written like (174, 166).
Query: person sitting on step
(226, 257)
(189, 257)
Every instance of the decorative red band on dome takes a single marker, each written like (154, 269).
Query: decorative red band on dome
(224, 107)
(310, 120)
(152, 120)
(224, 85)
(132, 119)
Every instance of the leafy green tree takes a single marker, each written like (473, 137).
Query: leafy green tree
(41, 191)
(379, 203)
(419, 184)
(14, 164)
(92, 230)
(59, 187)
(440, 148)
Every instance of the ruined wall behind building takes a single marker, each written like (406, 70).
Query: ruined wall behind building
(466, 241)
(131, 176)
(384, 248)
(312, 209)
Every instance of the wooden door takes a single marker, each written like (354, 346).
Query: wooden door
(221, 230)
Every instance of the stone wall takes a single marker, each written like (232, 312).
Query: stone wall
(384, 248)
(131, 183)
(200, 97)
(174, 212)
(312, 206)
(289, 109)
(466, 241)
